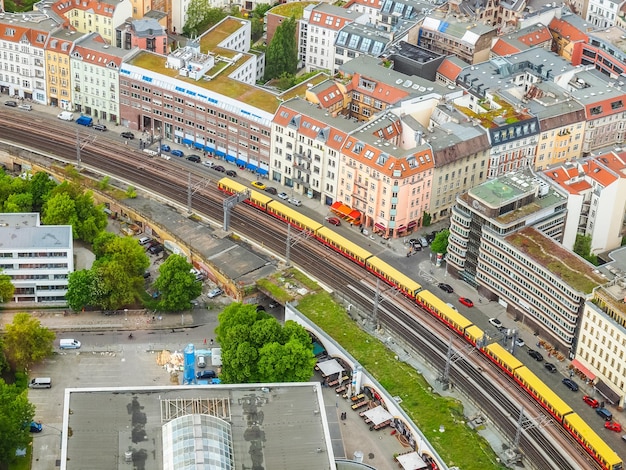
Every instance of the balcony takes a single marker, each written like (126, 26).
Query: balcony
(360, 184)
(302, 182)
(303, 168)
(359, 197)
(304, 156)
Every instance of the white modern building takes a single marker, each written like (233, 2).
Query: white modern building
(39, 258)
(603, 13)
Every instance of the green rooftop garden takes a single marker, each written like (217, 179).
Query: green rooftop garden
(294, 9)
(221, 31)
(564, 264)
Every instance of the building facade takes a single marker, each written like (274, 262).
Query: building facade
(38, 258)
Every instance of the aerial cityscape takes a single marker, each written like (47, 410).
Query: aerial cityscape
(209, 209)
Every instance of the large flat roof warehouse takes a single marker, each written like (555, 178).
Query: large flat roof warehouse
(278, 426)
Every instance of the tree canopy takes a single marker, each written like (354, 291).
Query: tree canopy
(177, 284)
(200, 17)
(7, 289)
(26, 341)
(256, 348)
(282, 52)
(16, 412)
(582, 247)
(440, 243)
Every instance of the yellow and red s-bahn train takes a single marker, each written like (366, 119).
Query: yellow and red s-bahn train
(509, 364)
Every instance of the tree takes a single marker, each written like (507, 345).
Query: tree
(81, 289)
(26, 341)
(426, 219)
(200, 17)
(257, 24)
(282, 52)
(115, 286)
(40, 187)
(582, 247)
(256, 348)
(440, 243)
(7, 289)
(15, 411)
(19, 202)
(176, 284)
(122, 250)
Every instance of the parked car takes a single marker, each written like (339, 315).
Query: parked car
(495, 322)
(26, 107)
(465, 301)
(452, 307)
(605, 414)
(99, 127)
(569, 383)
(165, 148)
(208, 163)
(592, 402)
(294, 201)
(271, 190)
(258, 185)
(519, 342)
(11, 104)
(35, 426)
(219, 168)
(127, 135)
(536, 355)
(446, 288)
(431, 237)
(232, 173)
(551, 367)
(273, 304)
(194, 158)
(215, 293)
(178, 153)
(333, 221)
(423, 242)
(283, 196)
(205, 374)
(201, 361)
(613, 426)
(156, 249)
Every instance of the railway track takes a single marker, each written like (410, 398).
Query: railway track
(170, 180)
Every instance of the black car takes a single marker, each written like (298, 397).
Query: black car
(194, 158)
(431, 237)
(569, 383)
(271, 190)
(551, 367)
(232, 173)
(536, 355)
(219, 168)
(128, 135)
(446, 288)
(206, 374)
(156, 249)
(11, 104)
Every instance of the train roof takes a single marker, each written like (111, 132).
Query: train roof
(601, 448)
(445, 309)
(551, 399)
(295, 215)
(237, 187)
(340, 241)
(402, 279)
(497, 350)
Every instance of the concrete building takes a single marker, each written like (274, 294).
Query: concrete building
(38, 258)
(146, 34)
(317, 33)
(356, 40)
(567, 31)
(605, 50)
(596, 188)
(536, 35)
(95, 78)
(414, 60)
(58, 69)
(504, 238)
(22, 54)
(468, 41)
(603, 13)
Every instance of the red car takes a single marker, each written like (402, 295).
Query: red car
(465, 301)
(592, 402)
(613, 426)
(334, 221)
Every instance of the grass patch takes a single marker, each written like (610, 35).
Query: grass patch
(458, 445)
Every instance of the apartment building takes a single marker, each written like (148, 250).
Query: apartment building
(370, 7)
(470, 42)
(317, 33)
(93, 16)
(603, 13)
(449, 70)
(306, 145)
(601, 345)
(596, 189)
(38, 258)
(58, 68)
(603, 100)
(22, 55)
(146, 34)
(605, 50)
(226, 115)
(567, 31)
(536, 35)
(561, 122)
(95, 78)
(358, 40)
(504, 238)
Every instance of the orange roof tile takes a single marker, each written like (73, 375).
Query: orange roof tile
(502, 48)
(536, 37)
(328, 21)
(383, 92)
(376, 4)
(449, 69)
(596, 172)
(97, 7)
(567, 30)
(329, 96)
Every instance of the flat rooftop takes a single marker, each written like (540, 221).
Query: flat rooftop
(276, 426)
(22, 231)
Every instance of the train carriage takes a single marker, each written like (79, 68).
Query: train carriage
(393, 277)
(503, 358)
(256, 198)
(599, 449)
(438, 307)
(343, 245)
(474, 334)
(542, 393)
(293, 217)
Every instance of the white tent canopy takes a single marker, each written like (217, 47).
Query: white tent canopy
(329, 368)
(378, 415)
(411, 461)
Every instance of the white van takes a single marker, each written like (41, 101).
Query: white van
(65, 116)
(69, 344)
(40, 382)
(144, 240)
